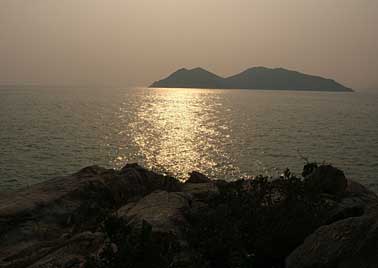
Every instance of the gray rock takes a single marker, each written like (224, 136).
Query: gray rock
(58, 253)
(327, 179)
(348, 243)
(63, 207)
(349, 237)
(201, 191)
(196, 177)
(355, 202)
(75, 262)
(162, 210)
(162, 213)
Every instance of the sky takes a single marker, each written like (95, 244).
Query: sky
(135, 42)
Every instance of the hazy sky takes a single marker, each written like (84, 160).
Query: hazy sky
(134, 42)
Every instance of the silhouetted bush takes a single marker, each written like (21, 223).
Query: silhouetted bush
(255, 223)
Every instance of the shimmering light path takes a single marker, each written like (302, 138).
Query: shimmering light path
(180, 131)
(225, 134)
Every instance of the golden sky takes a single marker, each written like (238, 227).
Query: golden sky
(135, 42)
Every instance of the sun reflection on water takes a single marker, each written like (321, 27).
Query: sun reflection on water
(179, 130)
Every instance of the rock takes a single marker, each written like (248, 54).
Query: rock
(348, 243)
(162, 214)
(44, 213)
(60, 222)
(196, 177)
(291, 222)
(92, 170)
(125, 209)
(162, 210)
(356, 201)
(327, 179)
(308, 169)
(59, 253)
(75, 262)
(135, 180)
(349, 236)
(355, 189)
(201, 191)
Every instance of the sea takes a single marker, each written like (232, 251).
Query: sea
(50, 131)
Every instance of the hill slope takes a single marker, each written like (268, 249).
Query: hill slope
(194, 78)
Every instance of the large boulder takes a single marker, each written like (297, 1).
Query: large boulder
(134, 180)
(42, 214)
(162, 210)
(66, 253)
(197, 177)
(158, 219)
(348, 237)
(356, 201)
(201, 191)
(352, 242)
(327, 179)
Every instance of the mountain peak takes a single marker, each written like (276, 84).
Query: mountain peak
(190, 78)
(256, 68)
(198, 69)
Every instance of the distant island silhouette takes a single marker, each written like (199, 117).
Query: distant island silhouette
(253, 78)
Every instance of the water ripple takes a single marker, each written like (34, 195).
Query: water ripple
(225, 134)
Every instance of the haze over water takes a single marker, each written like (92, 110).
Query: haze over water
(226, 134)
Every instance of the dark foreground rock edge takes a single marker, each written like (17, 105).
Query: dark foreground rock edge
(137, 218)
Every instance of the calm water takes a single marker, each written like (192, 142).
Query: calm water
(227, 134)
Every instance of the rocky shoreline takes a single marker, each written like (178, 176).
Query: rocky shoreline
(134, 217)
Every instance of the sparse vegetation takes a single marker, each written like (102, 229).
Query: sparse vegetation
(254, 223)
(198, 224)
(127, 248)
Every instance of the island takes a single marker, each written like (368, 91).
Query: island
(253, 78)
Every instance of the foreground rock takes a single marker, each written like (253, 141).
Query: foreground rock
(38, 221)
(162, 210)
(351, 240)
(327, 179)
(137, 218)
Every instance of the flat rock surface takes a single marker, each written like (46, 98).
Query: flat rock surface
(161, 209)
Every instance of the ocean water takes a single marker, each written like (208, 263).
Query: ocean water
(227, 134)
